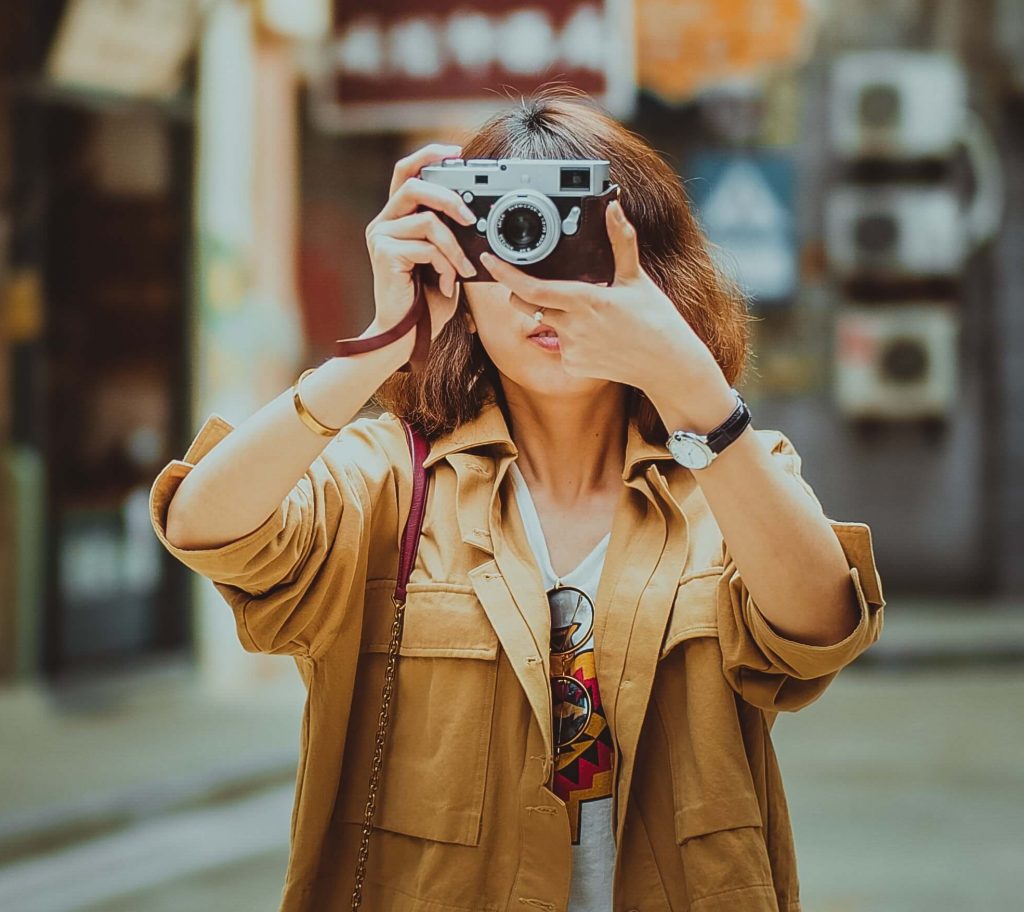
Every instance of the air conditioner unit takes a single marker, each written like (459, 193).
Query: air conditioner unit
(897, 105)
(895, 232)
(896, 362)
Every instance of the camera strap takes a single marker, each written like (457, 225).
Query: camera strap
(418, 315)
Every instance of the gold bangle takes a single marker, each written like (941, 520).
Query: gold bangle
(304, 413)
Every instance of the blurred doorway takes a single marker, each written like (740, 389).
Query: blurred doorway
(104, 220)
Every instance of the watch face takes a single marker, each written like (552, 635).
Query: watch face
(691, 453)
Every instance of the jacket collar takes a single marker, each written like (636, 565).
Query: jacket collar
(489, 429)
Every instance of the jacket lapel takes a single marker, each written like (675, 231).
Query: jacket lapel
(645, 557)
(636, 618)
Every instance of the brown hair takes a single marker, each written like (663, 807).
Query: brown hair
(560, 122)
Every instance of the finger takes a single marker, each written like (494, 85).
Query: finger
(417, 228)
(543, 292)
(427, 225)
(405, 254)
(411, 165)
(416, 192)
(622, 234)
(552, 318)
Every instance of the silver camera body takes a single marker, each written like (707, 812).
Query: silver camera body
(532, 211)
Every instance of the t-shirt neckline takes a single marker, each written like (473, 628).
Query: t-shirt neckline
(531, 517)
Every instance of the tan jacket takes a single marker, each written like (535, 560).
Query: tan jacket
(691, 673)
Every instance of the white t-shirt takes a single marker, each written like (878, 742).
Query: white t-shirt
(585, 752)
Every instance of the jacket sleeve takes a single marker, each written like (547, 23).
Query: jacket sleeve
(772, 671)
(288, 581)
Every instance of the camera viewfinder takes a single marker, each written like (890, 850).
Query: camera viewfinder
(575, 179)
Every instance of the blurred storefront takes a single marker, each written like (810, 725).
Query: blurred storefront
(95, 285)
(183, 194)
(150, 206)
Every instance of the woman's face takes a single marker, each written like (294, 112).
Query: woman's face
(504, 330)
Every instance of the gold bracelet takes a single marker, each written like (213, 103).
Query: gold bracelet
(304, 413)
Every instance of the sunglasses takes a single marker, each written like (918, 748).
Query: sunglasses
(572, 623)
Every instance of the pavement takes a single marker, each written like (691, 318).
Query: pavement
(905, 781)
(102, 754)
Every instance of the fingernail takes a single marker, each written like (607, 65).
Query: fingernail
(467, 214)
(468, 268)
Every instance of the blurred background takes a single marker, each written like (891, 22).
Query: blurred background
(183, 192)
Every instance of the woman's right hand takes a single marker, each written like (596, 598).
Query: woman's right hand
(402, 237)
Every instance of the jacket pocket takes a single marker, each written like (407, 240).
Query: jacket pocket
(694, 610)
(716, 817)
(724, 855)
(439, 731)
(693, 820)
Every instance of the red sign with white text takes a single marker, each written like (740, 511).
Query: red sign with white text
(412, 64)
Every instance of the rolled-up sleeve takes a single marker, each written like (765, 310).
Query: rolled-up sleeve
(288, 581)
(770, 670)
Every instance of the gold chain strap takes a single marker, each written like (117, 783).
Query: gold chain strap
(378, 752)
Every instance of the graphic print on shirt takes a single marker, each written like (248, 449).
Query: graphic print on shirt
(583, 744)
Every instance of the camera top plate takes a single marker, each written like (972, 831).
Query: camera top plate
(552, 177)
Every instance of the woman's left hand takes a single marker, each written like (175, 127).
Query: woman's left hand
(628, 332)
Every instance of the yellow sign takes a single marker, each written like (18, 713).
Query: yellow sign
(24, 307)
(684, 46)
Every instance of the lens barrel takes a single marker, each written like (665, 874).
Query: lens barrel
(524, 226)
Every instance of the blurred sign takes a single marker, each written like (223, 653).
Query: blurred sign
(302, 20)
(133, 48)
(23, 308)
(412, 64)
(131, 153)
(684, 46)
(747, 205)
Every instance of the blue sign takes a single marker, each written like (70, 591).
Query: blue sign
(746, 205)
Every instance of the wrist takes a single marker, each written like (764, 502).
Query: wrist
(706, 404)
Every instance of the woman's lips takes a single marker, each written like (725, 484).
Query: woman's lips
(547, 342)
(540, 328)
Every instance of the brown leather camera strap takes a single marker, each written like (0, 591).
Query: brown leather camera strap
(418, 315)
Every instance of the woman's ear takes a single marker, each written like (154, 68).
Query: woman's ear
(466, 309)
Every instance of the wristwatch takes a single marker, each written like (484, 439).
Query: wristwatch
(698, 451)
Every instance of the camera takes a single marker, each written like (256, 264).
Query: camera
(544, 216)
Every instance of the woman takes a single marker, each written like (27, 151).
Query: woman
(597, 638)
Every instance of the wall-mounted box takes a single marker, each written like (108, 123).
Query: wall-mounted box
(896, 362)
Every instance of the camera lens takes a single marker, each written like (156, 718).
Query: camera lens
(521, 228)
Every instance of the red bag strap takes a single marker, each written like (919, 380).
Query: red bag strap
(419, 447)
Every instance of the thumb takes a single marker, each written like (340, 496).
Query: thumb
(622, 234)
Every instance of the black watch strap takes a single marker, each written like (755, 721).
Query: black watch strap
(720, 437)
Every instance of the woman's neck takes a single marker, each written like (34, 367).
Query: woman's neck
(570, 448)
